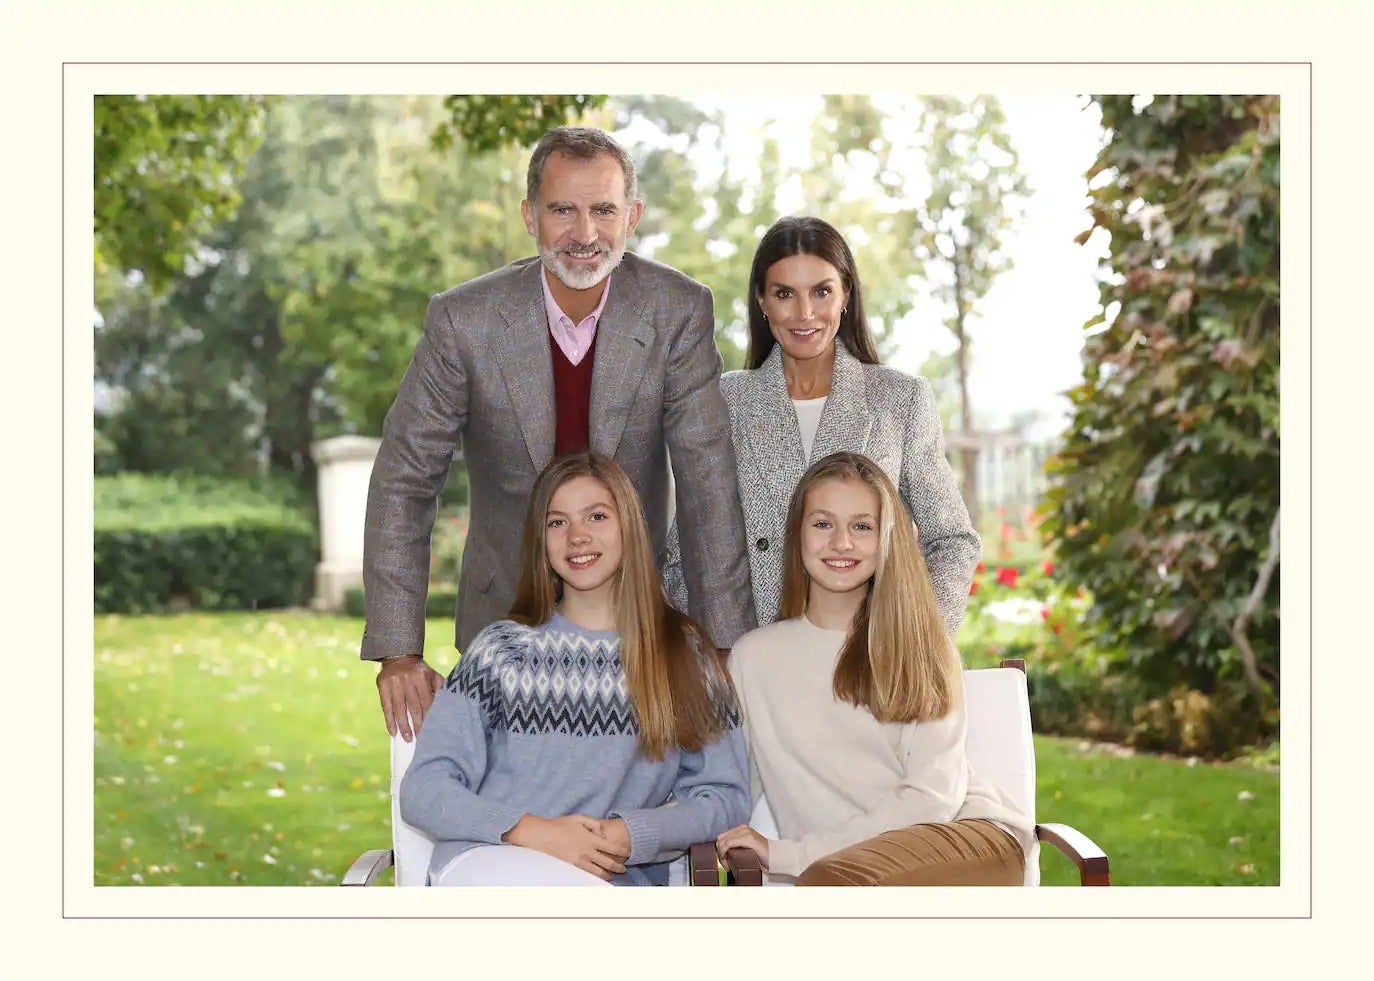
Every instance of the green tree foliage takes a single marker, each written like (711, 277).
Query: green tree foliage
(303, 313)
(166, 168)
(1166, 491)
(700, 222)
(976, 194)
(493, 122)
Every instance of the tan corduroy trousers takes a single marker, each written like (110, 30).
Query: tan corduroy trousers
(955, 853)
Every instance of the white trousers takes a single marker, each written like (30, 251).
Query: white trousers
(512, 865)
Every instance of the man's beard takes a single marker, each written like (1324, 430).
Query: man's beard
(580, 277)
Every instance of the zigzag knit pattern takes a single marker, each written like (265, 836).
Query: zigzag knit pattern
(538, 681)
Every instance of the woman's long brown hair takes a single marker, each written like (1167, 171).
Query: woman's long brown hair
(897, 661)
(680, 694)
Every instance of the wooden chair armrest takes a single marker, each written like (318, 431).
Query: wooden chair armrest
(1093, 867)
(369, 865)
(703, 869)
(743, 867)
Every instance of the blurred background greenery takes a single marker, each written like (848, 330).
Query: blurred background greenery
(262, 268)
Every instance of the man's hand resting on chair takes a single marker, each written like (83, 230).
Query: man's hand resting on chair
(406, 683)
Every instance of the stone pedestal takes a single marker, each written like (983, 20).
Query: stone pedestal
(344, 465)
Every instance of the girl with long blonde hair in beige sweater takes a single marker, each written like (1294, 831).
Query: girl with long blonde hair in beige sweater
(854, 707)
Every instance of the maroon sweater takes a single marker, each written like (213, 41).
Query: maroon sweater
(572, 399)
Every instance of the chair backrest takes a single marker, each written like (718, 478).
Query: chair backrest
(411, 849)
(1000, 750)
(999, 744)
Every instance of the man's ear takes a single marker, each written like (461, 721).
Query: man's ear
(527, 213)
(636, 213)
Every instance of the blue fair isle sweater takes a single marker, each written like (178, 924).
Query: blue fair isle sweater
(537, 720)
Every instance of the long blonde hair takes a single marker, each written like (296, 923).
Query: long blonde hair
(680, 694)
(897, 661)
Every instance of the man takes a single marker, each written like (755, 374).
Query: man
(584, 347)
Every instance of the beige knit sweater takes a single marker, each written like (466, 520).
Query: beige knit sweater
(833, 774)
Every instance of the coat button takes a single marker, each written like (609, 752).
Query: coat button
(761, 544)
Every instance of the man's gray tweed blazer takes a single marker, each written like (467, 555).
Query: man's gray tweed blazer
(482, 378)
(880, 412)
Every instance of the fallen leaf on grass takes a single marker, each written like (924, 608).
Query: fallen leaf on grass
(1245, 795)
(1246, 869)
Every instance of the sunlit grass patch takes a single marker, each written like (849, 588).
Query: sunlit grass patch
(249, 748)
(238, 748)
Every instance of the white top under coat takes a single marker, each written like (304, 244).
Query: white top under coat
(809, 421)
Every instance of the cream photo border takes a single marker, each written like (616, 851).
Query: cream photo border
(49, 450)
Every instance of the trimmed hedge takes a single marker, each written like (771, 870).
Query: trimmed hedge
(169, 541)
(442, 602)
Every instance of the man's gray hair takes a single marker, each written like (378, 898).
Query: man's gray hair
(581, 143)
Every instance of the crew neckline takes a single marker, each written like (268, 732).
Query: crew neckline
(815, 626)
(562, 621)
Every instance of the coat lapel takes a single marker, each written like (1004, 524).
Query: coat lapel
(624, 340)
(525, 363)
(845, 421)
(775, 424)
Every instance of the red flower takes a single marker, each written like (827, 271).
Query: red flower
(1006, 576)
(1044, 613)
(973, 587)
(1049, 568)
(980, 568)
(1057, 626)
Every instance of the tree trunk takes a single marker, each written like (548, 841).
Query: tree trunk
(1241, 628)
(969, 452)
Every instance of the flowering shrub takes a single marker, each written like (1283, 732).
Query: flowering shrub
(1076, 687)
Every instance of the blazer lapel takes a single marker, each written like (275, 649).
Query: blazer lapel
(845, 421)
(775, 425)
(624, 340)
(525, 363)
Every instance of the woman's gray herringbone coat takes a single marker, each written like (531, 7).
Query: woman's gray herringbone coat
(880, 412)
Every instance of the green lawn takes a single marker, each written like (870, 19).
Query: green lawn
(249, 748)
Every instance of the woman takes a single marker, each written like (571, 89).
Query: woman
(592, 734)
(854, 707)
(813, 386)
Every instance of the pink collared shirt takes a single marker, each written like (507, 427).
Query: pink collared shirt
(574, 339)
